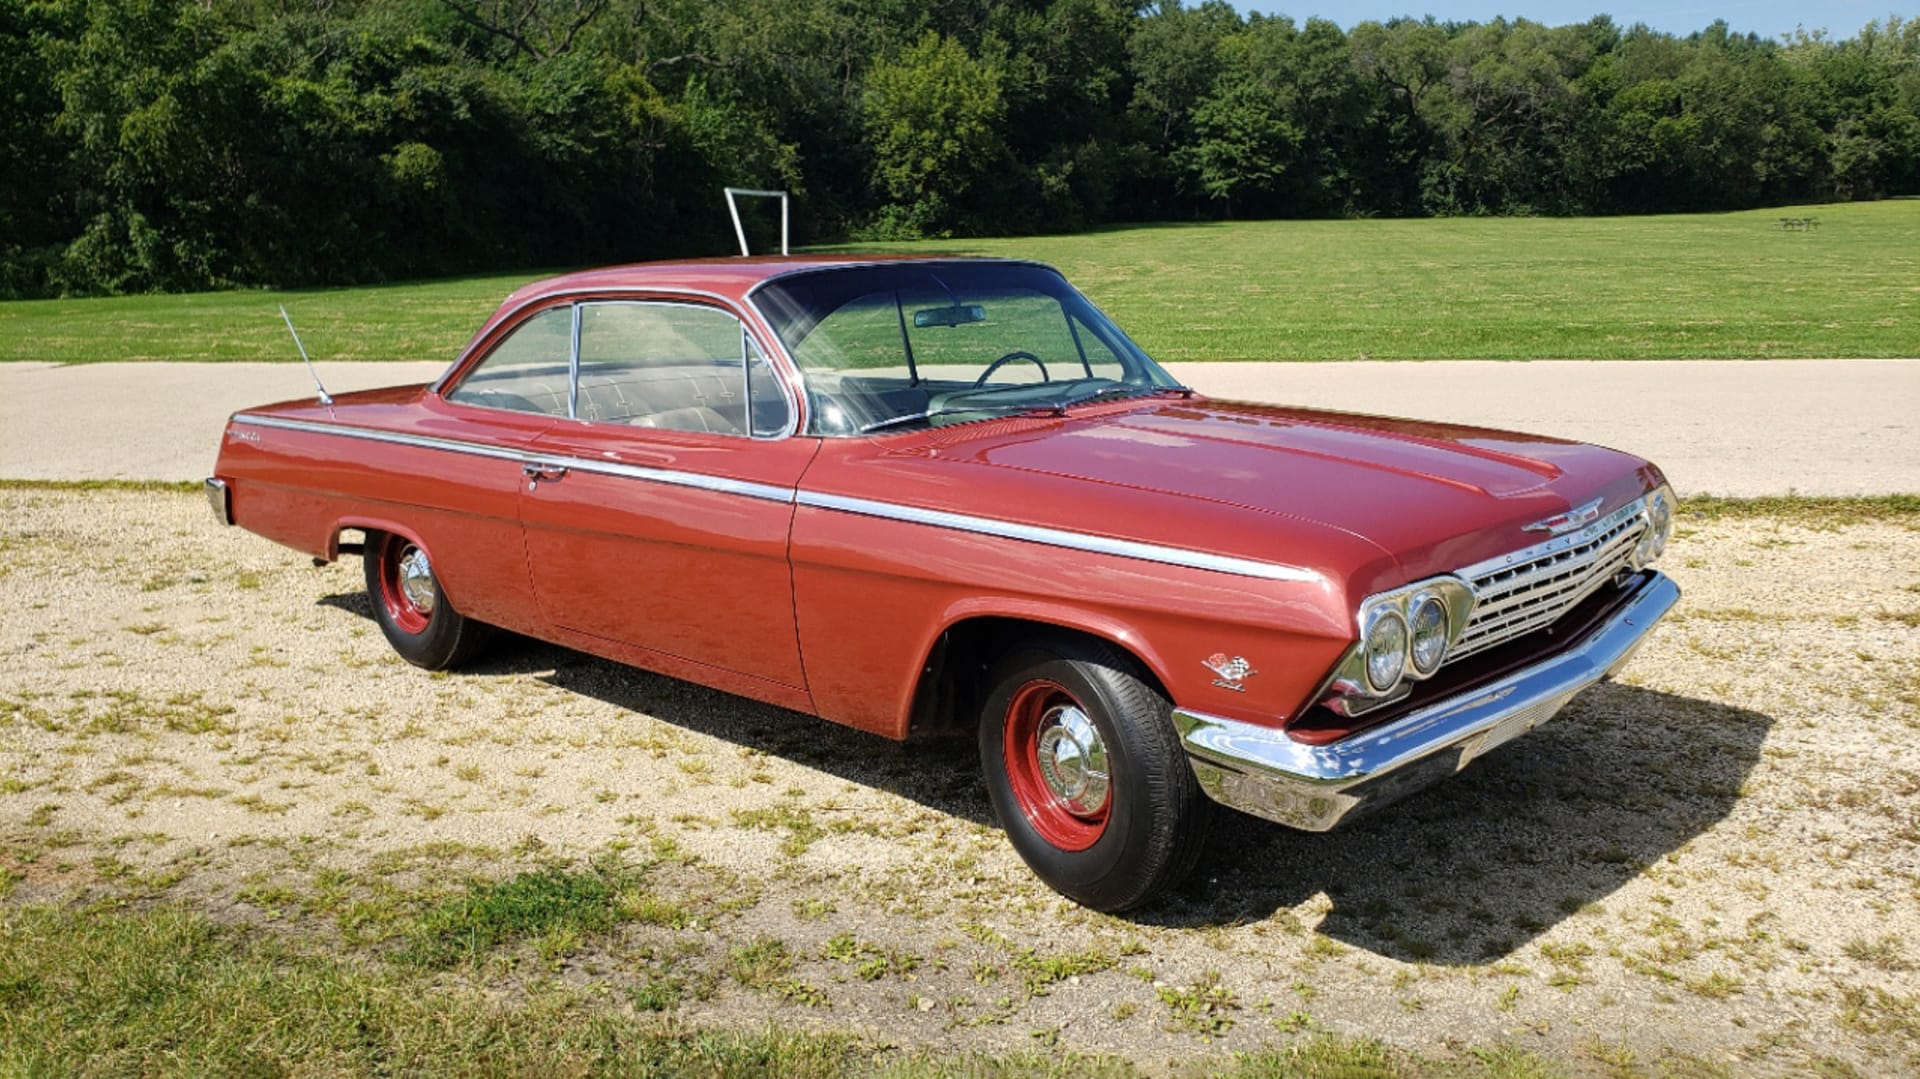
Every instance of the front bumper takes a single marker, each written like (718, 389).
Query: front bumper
(1260, 770)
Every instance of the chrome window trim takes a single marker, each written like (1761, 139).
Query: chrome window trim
(746, 332)
(1051, 537)
(1054, 537)
(788, 377)
(573, 364)
(810, 268)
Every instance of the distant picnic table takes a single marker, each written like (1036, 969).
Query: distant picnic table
(1799, 224)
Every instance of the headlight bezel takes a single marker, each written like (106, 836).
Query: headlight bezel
(1659, 506)
(1352, 689)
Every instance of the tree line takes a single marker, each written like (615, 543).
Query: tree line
(189, 144)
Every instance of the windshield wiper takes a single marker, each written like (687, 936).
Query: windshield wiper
(1104, 392)
(894, 421)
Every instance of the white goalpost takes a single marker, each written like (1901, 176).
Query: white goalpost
(733, 208)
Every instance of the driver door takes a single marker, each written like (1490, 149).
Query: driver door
(655, 518)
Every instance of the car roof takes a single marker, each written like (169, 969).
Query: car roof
(731, 278)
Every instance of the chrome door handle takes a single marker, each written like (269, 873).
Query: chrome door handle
(535, 472)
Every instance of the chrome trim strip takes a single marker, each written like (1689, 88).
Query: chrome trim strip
(1260, 770)
(220, 499)
(548, 460)
(425, 442)
(1053, 537)
(721, 484)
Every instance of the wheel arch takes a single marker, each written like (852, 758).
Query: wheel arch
(952, 684)
(367, 526)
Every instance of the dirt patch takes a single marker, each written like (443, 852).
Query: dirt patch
(1714, 857)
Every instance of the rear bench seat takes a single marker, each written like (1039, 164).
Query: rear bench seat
(686, 398)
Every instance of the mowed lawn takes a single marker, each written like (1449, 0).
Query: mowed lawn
(1675, 287)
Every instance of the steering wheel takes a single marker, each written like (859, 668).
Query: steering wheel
(1020, 354)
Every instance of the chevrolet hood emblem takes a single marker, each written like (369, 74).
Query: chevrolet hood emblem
(1568, 521)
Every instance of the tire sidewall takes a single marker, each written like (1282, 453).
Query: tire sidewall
(433, 647)
(1105, 875)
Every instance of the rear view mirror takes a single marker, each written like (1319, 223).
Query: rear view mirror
(956, 315)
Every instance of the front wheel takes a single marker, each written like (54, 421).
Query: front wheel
(1087, 774)
(412, 611)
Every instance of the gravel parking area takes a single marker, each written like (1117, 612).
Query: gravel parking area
(1710, 864)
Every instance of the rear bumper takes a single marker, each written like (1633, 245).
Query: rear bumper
(218, 497)
(1259, 770)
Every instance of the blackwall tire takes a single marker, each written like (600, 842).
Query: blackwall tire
(1065, 718)
(414, 615)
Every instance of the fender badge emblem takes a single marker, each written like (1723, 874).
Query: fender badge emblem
(1568, 521)
(1232, 670)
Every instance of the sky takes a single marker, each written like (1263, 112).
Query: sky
(1768, 18)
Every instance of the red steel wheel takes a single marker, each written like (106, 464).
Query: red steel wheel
(414, 613)
(1086, 771)
(1057, 765)
(407, 589)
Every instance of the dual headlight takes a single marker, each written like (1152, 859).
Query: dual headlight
(1404, 635)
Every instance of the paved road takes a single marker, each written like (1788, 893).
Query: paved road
(1816, 427)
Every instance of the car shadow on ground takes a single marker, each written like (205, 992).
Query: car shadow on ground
(1470, 869)
(1462, 873)
(942, 774)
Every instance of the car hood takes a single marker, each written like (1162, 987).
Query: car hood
(1435, 496)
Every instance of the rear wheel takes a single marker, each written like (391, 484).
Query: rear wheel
(1087, 774)
(413, 613)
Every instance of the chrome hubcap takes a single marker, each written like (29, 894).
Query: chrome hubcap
(416, 580)
(1073, 760)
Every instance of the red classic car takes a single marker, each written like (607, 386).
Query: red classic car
(928, 495)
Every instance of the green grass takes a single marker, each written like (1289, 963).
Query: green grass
(1673, 287)
(1830, 512)
(165, 990)
(553, 901)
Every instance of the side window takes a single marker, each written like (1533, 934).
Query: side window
(674, 366)
(526, 372)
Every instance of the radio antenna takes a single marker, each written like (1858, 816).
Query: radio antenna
(304, 358)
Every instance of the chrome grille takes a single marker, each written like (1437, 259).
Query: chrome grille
(1530, 589)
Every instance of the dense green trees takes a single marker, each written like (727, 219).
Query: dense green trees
(173, 144)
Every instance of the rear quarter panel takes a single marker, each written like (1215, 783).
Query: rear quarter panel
(302, 487)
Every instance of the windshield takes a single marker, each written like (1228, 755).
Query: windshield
(916, 344)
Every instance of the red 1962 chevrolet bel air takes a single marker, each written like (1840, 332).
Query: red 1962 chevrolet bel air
(915, 495)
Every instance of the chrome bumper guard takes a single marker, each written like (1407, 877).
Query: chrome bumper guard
(1259, 770)
(220, 500)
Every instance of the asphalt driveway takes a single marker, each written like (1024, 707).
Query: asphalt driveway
(1811, 427)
